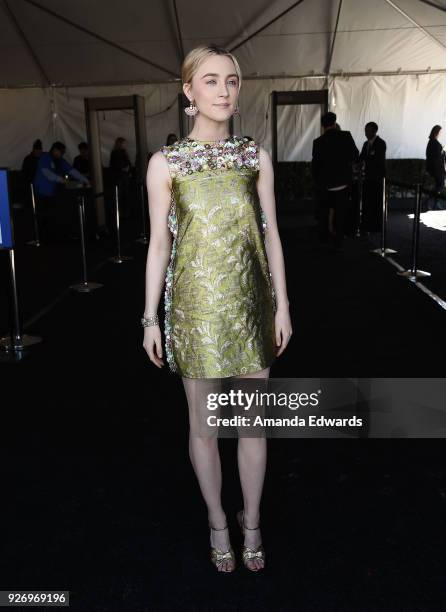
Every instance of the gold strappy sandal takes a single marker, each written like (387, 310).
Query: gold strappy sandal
(218, 556)
(250, 553)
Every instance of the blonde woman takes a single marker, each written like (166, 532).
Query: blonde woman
(215, 246)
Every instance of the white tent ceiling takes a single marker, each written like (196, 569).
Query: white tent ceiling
(372, 36)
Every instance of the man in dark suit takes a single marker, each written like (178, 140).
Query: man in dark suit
(373, 156)
(334, 154)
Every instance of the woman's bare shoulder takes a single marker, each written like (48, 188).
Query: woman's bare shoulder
(158, 162)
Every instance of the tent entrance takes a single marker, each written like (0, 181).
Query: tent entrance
(286, 98)
(92, 107)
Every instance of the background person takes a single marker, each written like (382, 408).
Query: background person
(171, 138)
(49, 183)
(373, 158)
(31, 161)
(435, 163)
(334, 154)
(82, 161)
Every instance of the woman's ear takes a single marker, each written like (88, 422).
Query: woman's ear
(186, 90)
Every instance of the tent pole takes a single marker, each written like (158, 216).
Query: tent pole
(177, 22)
(27, 43)
(437, 6)
(415, 23)
(334, 39)
(101, 38)
(266, 25)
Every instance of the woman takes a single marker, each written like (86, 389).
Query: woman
(227, 311)
(435, 159)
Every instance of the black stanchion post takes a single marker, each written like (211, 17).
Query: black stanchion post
(36, 241)
(84, 286)
(383, 250)
(118, 258)
(413, 273)
(15, 343)
(143, 238)
(359, 218)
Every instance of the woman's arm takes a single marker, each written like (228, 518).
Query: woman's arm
(273, 245)
(158, 255)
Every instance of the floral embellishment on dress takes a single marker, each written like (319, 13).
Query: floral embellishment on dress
(188, 156)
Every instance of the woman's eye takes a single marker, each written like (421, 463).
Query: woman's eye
(233, 82)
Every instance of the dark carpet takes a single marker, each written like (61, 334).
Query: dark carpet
(99, 497)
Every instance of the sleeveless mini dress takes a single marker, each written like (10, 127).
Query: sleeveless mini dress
(219, 299)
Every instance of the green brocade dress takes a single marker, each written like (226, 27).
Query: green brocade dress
(219, 299)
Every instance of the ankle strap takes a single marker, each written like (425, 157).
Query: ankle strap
(245, 527)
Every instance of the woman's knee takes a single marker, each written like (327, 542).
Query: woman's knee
(205, 441)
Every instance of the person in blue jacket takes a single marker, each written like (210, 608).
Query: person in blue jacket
(49, 182)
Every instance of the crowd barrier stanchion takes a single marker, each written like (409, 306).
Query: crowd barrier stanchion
(359, 218)
(413, 272)
(382, 251)
(118, 257)
(84, 286)
(13, 346)
(143, 238)
(36, 241)
(15, 343)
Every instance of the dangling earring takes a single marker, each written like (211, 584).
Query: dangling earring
(236, 110)
(191, 110)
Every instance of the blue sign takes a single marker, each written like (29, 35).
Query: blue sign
(6, 241)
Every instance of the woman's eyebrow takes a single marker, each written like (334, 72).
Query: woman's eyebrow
(214, 74)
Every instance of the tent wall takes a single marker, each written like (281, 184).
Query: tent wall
(405, 107)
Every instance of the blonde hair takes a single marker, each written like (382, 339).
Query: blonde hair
(197, 56)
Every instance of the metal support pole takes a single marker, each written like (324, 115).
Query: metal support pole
(413, 273)
(383, 250)
(143, 238)
(274, 127)
(119, 259)
(15, 343)
(36, 241)
(360, 184)
(84, 286)
(93, 133)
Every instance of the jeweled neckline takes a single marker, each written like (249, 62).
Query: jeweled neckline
(210, 141)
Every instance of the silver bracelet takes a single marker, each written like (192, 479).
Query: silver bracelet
(149, 321)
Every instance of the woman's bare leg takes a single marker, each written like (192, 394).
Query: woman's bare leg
(205, 459)
(251, 456)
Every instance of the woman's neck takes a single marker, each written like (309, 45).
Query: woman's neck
(210, 133)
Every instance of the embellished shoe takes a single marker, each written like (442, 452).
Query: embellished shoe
(218, 556)
(250, 553)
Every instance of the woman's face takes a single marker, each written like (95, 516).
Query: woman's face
(439, 134)
(214, 88)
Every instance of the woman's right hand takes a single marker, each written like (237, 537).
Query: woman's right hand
(153, 345)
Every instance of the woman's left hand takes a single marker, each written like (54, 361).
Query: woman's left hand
(283, 329)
